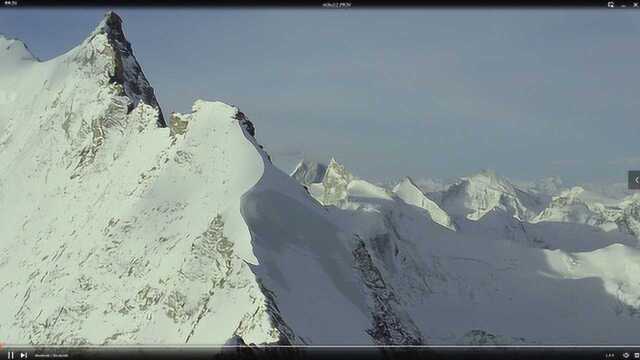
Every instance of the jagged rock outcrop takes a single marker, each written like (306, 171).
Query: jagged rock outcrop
(629, 219)
(126, 69)
(335, 181)
(391, 325)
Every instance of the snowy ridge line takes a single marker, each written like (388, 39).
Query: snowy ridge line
(18, 40)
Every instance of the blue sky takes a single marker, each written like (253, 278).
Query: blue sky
(393, 92)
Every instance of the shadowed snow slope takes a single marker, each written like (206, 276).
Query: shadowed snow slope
(411, 194)
(309, 172)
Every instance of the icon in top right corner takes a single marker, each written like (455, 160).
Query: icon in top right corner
(633, 180)
(612, 4)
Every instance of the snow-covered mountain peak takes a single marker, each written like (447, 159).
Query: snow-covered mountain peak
(215, 106)
(489, 179)
(407, 182)
(179, 123)
(111, 23)
(635, 198)
(308, 172)
(431, 185)
(335, 167)
(475, 196)
(80, 102)
(577, 205)
(14, 51)
(335, 170)
(411, 194)
(580, 195)
(571, 193)
(550, 186)
(108, 42)
(335, 182)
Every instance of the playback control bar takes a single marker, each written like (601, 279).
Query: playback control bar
(341, 352)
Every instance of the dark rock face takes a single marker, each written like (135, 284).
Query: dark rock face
(127, 71)
(251, 351)
(246, 123)
(389, 327)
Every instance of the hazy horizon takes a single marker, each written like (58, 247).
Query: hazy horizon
(417, 92)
